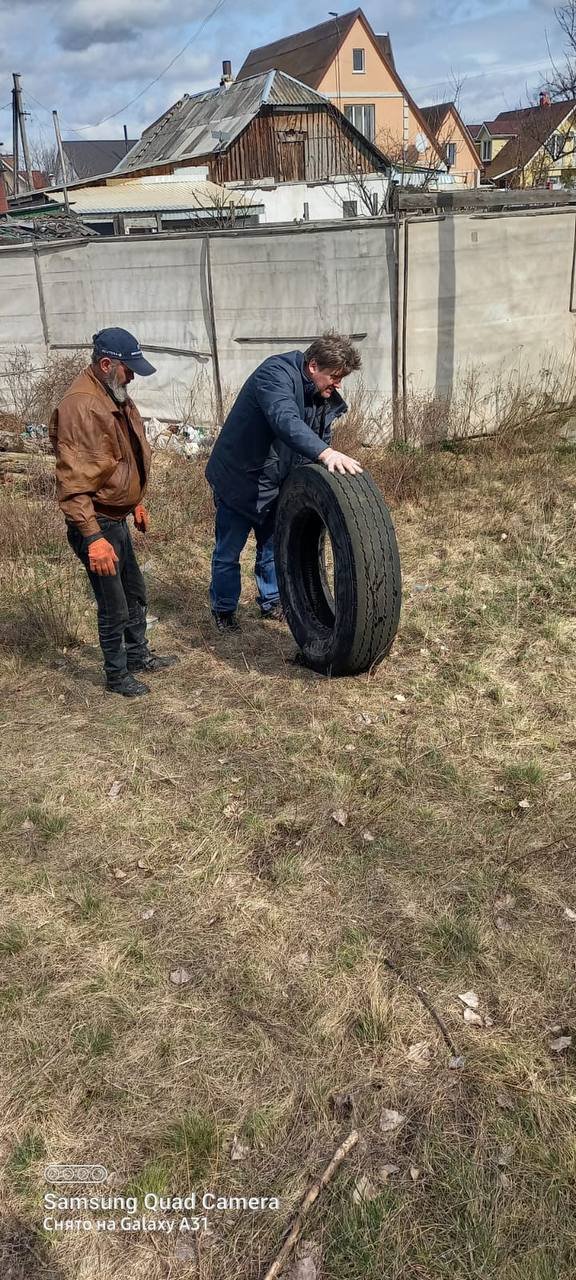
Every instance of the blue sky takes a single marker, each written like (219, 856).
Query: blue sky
(89, 58)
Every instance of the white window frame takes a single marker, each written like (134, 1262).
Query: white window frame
(556, 145)
(350, 111)
(359, 71)
(451, 151)
(486, 150)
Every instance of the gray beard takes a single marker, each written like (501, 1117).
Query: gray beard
(118, 389)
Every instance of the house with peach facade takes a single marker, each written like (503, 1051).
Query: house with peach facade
(353, 66)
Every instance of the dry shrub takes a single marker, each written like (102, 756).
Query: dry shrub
(33, 386)
(181, 497)
(38, 579)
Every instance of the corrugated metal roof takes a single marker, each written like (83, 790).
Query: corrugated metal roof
(208, 123)
(138, 196)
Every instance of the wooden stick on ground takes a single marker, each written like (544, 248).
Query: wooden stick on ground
(426, 1001)
(309, 1199)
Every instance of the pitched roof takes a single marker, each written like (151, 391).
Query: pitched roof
(532, 128)
(305, 54)
(208, 123)
(474, 130)
(309, 54)
(95, 156)
(436, 117)
(385, 45)
(141, 195)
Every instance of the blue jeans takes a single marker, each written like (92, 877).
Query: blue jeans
(232, 530)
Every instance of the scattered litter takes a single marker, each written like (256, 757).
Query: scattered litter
(472, 1018)
(349, 746)
(560, 1044)
(424, 653)
(115, 790)
(398, 697)
(239, 1150)
(524, 804)
(141, 864)
(456, 1063)
(505, 1101)
(180, 977)
(369, 837)
(340, 817)
(390, 1120)
(570, 914)
(414, 1173)
(388, 1171)
(505, 1155)
(565, 777)
(364, 718)
(119, 874)
(470, 999)
(147, 915)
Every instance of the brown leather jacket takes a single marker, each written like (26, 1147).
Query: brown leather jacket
(102, 455)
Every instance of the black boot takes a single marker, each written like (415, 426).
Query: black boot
(225, 621)
(154, 662)
(128, 687)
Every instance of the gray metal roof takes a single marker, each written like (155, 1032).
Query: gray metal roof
(209, 122)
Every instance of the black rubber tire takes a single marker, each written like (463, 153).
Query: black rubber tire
(353, 630)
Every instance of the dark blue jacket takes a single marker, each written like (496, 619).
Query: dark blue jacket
(274, 422)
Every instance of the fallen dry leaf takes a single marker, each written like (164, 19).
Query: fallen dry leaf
(239, 1150)
(27, 825)
(456, 1063)
(388, 1171)
(472, 1018)
(414, 1173)
(340, 817)
(342, 1105)
(470, 999)
(419, 1052)
(390, 1120)
(186, 1250)
(570, 915)
(524, 804)
(560, 1044)
(364, 1190)
(398, 697)
(119, 874)
(115, 790)
(141, 864)
(303, 1269)
(147, 915)
(369, 837)
(180, 977)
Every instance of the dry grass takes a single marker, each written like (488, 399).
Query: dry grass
(222, 828)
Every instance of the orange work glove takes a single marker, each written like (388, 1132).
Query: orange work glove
(141, 518)
(102, 557)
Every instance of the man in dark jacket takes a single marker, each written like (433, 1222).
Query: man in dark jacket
(102, 464)
(284, 414)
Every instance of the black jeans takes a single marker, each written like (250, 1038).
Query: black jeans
(121, 600)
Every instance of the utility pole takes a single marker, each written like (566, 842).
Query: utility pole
(15, 147)
(23, 135)
(61, 156)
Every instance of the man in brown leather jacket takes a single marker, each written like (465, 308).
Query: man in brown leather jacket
(102, 465)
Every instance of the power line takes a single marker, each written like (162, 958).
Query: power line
(161, 73)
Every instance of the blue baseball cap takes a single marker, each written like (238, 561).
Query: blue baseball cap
(121, 345)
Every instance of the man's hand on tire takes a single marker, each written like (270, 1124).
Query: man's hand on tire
(102, 557)
(340, 462)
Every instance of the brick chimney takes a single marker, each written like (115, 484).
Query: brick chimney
(544, 99)
(227, 77)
